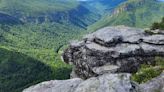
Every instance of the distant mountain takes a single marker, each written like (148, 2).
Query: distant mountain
(135, 13)
(78, 13)
(40, 11)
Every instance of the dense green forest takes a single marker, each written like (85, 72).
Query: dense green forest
(19, 71)
(42, 43)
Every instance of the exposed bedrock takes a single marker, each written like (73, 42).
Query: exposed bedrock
(113, 49)
(103, 83)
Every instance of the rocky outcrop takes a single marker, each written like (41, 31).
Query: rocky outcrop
(113, 50)
(104, 83)
(103, 56)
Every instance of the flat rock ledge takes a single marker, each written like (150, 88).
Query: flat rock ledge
(113, 50)
(104, 83)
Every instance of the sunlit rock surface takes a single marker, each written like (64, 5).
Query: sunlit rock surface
(104, 83)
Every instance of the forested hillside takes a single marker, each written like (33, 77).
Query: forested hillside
(134, 13)
(18, 69)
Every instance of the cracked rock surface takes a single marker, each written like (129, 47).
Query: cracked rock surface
(113, 50)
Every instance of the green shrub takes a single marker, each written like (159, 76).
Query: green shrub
(148, 72)
(158, 25)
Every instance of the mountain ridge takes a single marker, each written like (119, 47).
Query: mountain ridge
(140, 13)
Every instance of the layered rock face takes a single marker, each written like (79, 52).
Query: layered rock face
(113, 50)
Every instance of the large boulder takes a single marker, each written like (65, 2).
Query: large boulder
(104, 83)
(113, 50)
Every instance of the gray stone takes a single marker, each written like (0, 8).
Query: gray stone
(103, 83)
(105, 69)
(108, 83)
(56, 86)
(123, 47)
(154, 85)
(154, 39)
